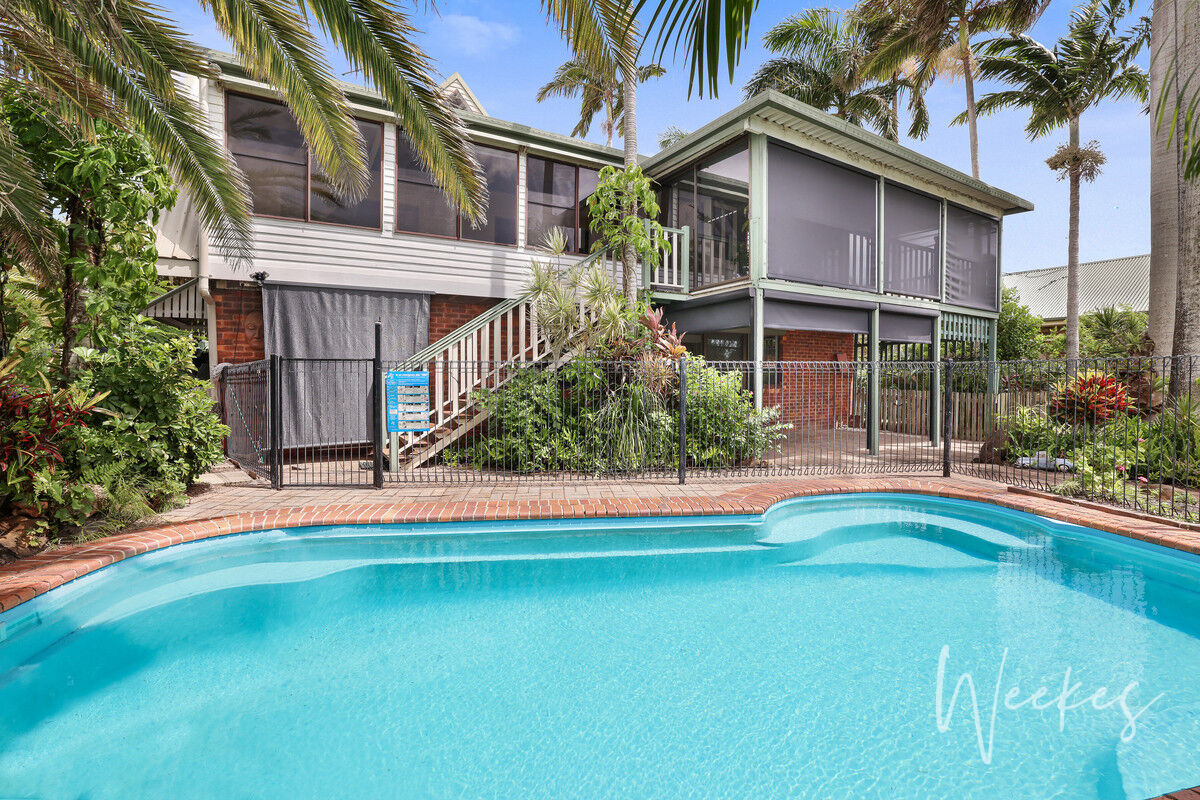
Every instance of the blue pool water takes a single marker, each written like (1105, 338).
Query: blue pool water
(793, 655)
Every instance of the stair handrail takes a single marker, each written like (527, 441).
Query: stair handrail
(463, 332)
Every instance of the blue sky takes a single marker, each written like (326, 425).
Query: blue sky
(505, 51)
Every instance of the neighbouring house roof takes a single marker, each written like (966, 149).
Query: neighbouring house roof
(1116, 282)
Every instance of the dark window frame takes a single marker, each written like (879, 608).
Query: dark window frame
(458, 218)
(307, 218)
(580, 231)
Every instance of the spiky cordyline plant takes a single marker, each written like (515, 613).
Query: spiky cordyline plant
(119, 61)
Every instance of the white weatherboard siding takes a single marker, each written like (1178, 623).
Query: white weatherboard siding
(334, 255)
(293, 251)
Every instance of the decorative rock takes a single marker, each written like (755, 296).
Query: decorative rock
(22, 536)
(994, 449)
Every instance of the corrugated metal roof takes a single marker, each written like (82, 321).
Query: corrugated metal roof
(1112, 282)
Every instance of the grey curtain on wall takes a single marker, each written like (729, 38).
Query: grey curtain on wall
(327, 401)
(911, 242)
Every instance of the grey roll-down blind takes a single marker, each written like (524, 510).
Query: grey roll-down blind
(328, 401)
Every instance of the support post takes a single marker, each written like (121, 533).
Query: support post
(947, 414)
(756, 348)
(683, 420)
(935, 384)
(377, 400)
(873, 409)
(993, 376)
(275, 404)
(685, 259)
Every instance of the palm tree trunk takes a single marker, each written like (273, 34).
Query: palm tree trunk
(1164, 183)
(1186, 340)
(610, 115)
(1073, 249)
(76, 249)
(964, 42)
(629, 256)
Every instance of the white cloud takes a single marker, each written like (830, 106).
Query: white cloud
(472, 36)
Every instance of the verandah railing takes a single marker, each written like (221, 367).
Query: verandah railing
(1121, 431)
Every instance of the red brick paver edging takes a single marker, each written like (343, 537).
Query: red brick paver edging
(25, 579)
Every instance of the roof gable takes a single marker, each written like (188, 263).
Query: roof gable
(459, 95)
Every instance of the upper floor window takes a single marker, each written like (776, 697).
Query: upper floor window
(557, 198)
(820, 221)
(712, 197)
(912, 245)
(284, 182)
(422, 208)
(972, 258)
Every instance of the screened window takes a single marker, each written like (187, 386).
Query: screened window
(557, 198)
(267, 144)
(821, 221)
(712, 198)
(912, 242)
(421, 206)
(972, 264)
(326, 206)
(500, 169)
(589, 179)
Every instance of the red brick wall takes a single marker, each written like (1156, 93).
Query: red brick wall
(811, 395)
(240, 319)
(448, 312)
(239, 322)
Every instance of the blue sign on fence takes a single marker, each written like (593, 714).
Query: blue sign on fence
(407, 399)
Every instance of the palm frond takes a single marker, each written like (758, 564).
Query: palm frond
(378, 40)
(276, 47)
(713, 33)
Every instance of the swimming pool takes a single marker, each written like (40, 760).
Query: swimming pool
(796, 654)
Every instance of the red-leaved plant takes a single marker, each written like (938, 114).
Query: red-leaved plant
(1089, 398)
(31, 438)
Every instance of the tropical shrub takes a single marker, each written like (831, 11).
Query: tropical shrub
(39, 422)
(1089, 398)
(160, 420)
(1018, 330)
(591, 416)
(1031, 431)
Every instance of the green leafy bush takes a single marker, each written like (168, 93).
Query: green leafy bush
(39, 425)
(160, 422)
(617, 416)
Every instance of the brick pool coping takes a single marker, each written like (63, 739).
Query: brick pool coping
(27, 578)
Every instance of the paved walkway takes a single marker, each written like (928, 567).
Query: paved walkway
(243, 509)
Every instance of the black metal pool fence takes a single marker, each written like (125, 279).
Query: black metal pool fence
(1123, 431)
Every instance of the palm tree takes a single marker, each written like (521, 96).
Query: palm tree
(605, 35)
(927, 29)
(116, 62)
(823, 55)
(1092, 63)
(597, 92)
(1174, 191)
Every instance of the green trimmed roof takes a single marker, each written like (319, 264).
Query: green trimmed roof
(776, 109)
